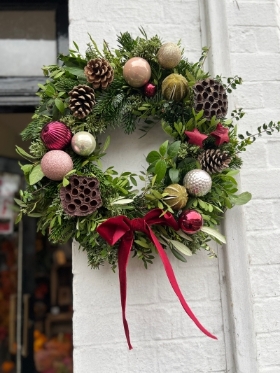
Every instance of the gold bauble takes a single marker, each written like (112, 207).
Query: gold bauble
(137, 72)
(177, 196)
(174, 87)
(169, 55)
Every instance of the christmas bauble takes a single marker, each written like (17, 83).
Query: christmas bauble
(197, 182)
(56, 164)
(177, 196)
(190, 221)
(149, 90)
(83, 143)
(56, 135)
(137, 72)
(174, 87)
(169, 55)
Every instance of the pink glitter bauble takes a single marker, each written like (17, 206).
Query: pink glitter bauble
(56, 164)
(190, 221)
(149, 90)
(56, 135)
(137, 72)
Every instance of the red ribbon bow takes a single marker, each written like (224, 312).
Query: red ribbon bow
(121, 228)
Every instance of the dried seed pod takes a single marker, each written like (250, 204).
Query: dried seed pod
(210, 96)
(81, 196)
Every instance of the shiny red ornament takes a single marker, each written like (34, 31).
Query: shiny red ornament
(190, 221)
(221, 134)
(150, 90)
(56, 135)
(195, 137)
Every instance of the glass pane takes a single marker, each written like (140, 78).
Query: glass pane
(28, 41)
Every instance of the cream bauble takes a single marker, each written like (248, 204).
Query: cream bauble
(83, 143)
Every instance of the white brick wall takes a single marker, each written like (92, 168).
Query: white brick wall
(255, 55)
(163, 337)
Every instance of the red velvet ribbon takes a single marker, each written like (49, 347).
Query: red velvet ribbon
(121, 228)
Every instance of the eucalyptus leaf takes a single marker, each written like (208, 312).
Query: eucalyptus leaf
(213, 233)
(181, 247)
(174, 175)
(36, 175)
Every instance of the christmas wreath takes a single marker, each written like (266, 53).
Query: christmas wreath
(189, 181)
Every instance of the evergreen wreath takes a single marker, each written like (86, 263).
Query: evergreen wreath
(189, 181)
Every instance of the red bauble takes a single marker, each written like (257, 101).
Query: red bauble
(150, 90)
(190, 221)
(56, 135)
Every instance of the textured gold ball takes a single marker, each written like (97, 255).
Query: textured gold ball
(177, 196)
(174, 87)
(137, 72)
(169, 55)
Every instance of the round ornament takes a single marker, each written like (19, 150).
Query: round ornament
(169, 55)
(149, 90)
(174, 87)
(56, 164)
(56, 135)
(177, 196)
(190, 221)
(137, 72)
(197, 182)
(83, 143)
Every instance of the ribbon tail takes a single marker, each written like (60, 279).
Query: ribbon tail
(171, 276)
(123, 256)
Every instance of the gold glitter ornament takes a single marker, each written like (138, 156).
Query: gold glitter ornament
(169, 55)
(174, 87)
(177, 196)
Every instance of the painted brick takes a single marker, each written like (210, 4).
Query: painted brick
(253, 13)
(263, 247)
(260, 184)
(269, 348)
(265, 281)
(267, 315)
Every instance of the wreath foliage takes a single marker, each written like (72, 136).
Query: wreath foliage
(191, 107)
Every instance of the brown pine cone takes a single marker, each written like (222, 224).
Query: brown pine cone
(99, 72)
(214, 160)
(210, 96)
(82, 100)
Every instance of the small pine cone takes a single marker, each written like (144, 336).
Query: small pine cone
(210, 96)
(81, 196)
(214, 160)
(99, 72)
(82, 100)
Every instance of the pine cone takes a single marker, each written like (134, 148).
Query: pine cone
(82, 100)
(214, 160)
(99, 72)
(210, 96)
(81, 197)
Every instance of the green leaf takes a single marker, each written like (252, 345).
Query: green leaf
(153, 156)
(213, 233)
(35, 214)
(178, 255)
(174, 175)
(65, 182)
(142, 243)
(183, 235)
(75, 71)
(243, 198)
(173, 149)
(163, 148)
(36, 175)
(26, 168)
(181, 247)
(122, 201)
(160, 169)
(23, 153)
(59, 104)
(106, 143)
(19, 202)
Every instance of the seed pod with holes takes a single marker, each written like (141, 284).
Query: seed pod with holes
(81, 196)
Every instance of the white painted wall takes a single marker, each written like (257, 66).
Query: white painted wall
(163, 337)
